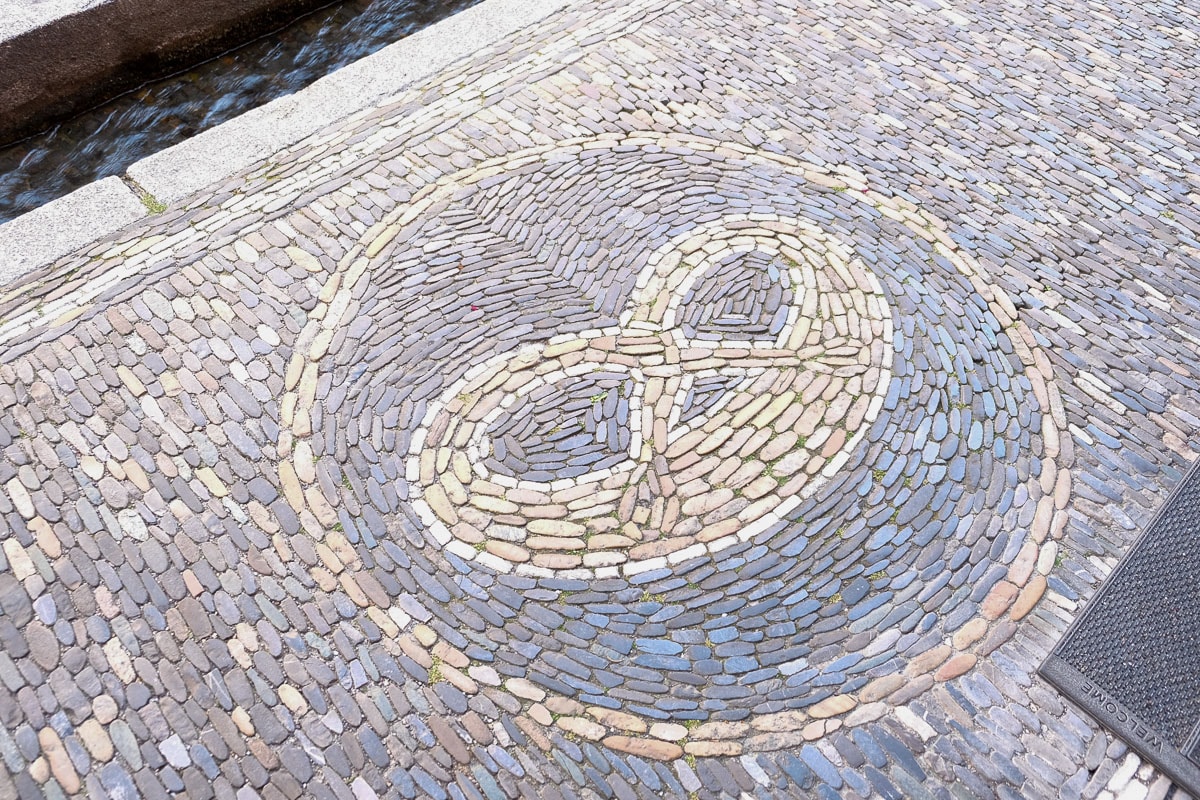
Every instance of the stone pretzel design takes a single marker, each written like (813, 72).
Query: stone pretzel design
(698, 422)
(833, 280)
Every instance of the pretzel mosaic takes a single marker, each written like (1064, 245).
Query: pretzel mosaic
(793, 402)
(572, 524)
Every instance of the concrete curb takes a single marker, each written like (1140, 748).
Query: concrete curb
(62, 226)
(223, 151)
(46, 234)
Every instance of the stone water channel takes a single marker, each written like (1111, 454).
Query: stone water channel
(106, 139)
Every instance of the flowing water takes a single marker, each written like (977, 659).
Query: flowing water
(108, 138)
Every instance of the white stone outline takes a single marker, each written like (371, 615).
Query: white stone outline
(656, 277)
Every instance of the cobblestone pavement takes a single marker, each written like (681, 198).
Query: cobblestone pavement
(680, 400)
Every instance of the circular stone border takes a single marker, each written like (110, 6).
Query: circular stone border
(1009, 600)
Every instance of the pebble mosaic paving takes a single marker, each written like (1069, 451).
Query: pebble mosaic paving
(678, 400)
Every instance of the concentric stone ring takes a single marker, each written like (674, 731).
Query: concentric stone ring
(793, 387)
(908, 552)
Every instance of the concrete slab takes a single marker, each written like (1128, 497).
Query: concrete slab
(46, 234)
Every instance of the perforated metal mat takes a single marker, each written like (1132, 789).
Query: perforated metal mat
(1132, 659)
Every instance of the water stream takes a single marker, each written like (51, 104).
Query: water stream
(110, 137)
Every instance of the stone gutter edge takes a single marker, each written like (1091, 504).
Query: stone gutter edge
(46, 234)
